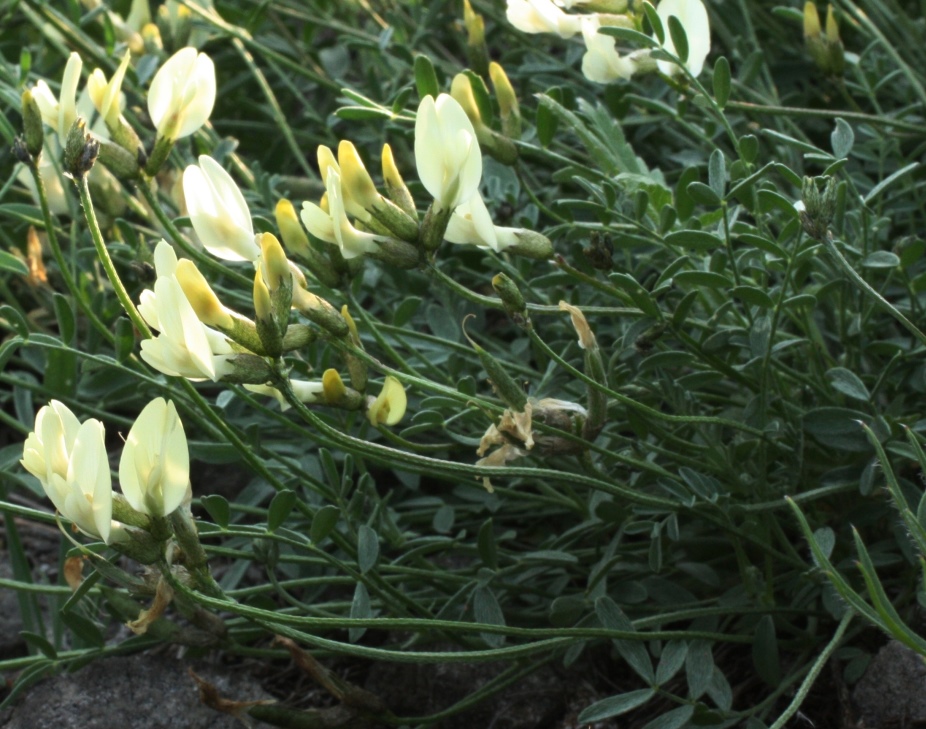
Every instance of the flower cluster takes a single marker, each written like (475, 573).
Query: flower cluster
(602, 63)
(70, 461)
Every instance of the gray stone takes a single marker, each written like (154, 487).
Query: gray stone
(892, 693)
(135, 692)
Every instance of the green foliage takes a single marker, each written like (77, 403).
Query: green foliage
(751, 354)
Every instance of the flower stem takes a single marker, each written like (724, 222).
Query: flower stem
(93, 224)
(59, 256)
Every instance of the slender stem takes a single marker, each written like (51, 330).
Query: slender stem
(794, 112)
(811, 677)
(93, 224)
(59, 256)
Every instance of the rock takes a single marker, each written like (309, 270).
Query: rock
(893, 690)
(136, 692)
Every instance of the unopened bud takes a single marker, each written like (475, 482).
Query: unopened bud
(246, 369)
(508, 105)
(209, 310)
(80, 150)
(274, 264)
(461, 89)
(356, 182)
(118, 161)
(532, 244)
(811, 20)
(291, 230)
(819, 206)
(594, 368)
(33, 131)
(395, 185)
(320, 312)
(512, 299)
(476, 49)
(262, 306)
(151, 38)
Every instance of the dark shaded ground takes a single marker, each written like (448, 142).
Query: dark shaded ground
(155, 691)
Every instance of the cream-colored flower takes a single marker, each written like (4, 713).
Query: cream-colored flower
(471, 223)
(693, 16)
(182, 94)
(601, 62)
(334, 226)
(154, 471)
(107, 95)
(389, 407)
(447, 153)
(218, 212)
(61, 112)
(69, 459)
(184, 347)
(542, 16)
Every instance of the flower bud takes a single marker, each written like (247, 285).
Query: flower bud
(389, 407)
(202, 298)
(80, 150)
(154, 471)
(358, 188)
(117, 160)
(512, 299)
(105, 94)
(291, 230)
(320, 312)
(270, 336)
(60, 113)
(355, 180)
(33, 129)
(476, 49)
(594, 368)
(508, 105)
(395, 185)
(811, 21)
(497, 146)
(275, 266)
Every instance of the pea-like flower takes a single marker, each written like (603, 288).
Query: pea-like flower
(693, 16)
(60, 113)
(542, 16)
(182, 94)
(154, 471)
(184, 347)
(472, 223)
(447, 153)
(69, 460)
(333, 226)
(106, 95)
(389, 407)
(218, 211)
(601, 62)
